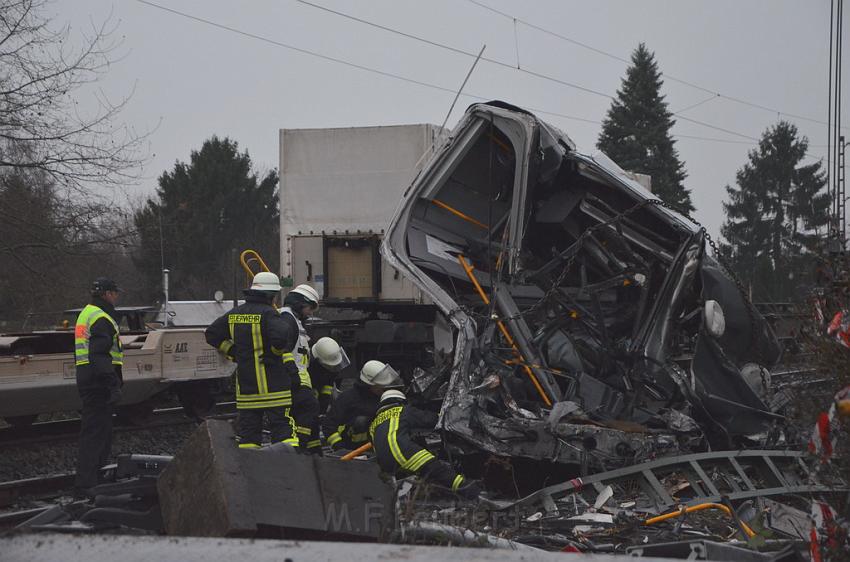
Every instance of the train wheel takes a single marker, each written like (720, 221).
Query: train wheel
(21, 421)
(197, 399)
(135, 414)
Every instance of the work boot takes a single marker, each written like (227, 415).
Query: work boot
(470, 490)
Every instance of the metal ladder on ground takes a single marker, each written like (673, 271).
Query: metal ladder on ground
(711, 477)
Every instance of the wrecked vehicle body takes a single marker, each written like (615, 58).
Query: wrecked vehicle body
(582, 321)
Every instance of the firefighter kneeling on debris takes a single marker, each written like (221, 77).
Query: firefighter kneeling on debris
(328, 361)
(255, 337)
(399, 455)
(346, 424)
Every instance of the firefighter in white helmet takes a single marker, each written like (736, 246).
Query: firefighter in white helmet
(255, 336)
(298, 305)
(346, 424)
(328, 361)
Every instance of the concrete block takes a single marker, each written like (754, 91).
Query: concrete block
(212, 488)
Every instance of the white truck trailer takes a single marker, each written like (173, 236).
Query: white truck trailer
(338, 190)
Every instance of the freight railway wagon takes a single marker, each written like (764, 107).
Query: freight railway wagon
(37, 371)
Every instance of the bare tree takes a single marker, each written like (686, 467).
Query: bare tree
(41, 126)
(51, 247)
(58, 226)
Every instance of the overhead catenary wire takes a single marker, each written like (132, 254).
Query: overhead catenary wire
(415, 81)
(666, 75)
(714, 95)
(455, 49)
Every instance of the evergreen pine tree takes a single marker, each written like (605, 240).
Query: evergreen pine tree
(636, 131)
(776, 214)
(202, 210)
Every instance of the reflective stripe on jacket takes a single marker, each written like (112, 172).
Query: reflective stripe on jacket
(351, 404)
(254, 335)
(82, 335)
(390, 435)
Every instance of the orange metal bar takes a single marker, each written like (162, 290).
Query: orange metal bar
(699, 507)
(248, 257)
(358, 451)
(501, 144)
(533, 366)
(469, 273)
(454, 211)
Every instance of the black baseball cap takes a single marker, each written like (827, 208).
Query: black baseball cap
(103, 284)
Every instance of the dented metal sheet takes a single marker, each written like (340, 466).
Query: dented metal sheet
(566, 282)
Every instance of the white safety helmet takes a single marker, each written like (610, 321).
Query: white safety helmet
(330, 354)
(375, 373)
(266, 281)
(308, 293)
(393, 396)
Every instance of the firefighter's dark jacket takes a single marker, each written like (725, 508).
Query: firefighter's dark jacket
(256, 337)
(355, 402)
(323, 379)
(390, 434)
(100, 371)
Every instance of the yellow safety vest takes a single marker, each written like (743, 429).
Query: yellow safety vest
(82, 334)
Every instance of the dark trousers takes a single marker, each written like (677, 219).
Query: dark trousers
(95, 444)
(281, 426)
(438, 471)
(305, 410)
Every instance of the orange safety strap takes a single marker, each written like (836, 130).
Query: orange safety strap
(469, 272)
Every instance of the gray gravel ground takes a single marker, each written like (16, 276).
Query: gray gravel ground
(43, 459)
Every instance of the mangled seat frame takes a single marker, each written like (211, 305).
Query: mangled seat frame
(581, 320)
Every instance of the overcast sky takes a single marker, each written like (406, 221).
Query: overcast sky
(191, 80)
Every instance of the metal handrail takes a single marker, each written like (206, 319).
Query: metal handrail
(248, 257)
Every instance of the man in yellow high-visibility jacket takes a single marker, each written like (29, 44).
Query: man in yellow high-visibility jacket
(98, 358)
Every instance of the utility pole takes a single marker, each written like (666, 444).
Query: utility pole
(166, 313)
(840, 199)
(835, 173)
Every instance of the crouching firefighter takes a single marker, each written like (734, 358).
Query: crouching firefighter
(398, 454)
(346, 425)
(328, 360)
(299, 304)
(255, 337)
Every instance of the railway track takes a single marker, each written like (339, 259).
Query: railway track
(68, 430)
(37, 489)
(23, 499)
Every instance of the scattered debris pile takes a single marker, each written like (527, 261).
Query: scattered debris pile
(714, 502)
(125, 500)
